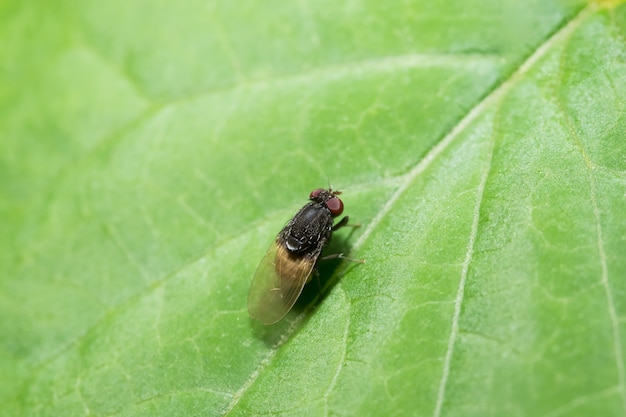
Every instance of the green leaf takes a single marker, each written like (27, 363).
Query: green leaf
(150, 153)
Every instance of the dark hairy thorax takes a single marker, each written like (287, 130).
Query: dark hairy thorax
(309, 229)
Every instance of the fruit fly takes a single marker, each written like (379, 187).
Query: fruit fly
(290, 260)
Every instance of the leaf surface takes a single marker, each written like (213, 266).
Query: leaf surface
(151, 152)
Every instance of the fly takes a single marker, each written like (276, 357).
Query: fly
(289, 262)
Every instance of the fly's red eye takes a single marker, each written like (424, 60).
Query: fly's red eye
(315, 193)
(335, 206)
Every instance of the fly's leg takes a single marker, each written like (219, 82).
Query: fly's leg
(342, 256)
(344, 223)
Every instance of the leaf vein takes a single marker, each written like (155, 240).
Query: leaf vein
(262, 365)
(604, 277)
(492, 98)
(591, 167)
(454, 328)
(617, 339)
(342, 359)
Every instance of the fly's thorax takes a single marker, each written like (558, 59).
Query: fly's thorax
(309, 228)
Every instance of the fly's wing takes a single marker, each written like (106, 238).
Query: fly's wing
(277, 283)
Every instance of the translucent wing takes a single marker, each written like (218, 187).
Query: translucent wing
(277, 283)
